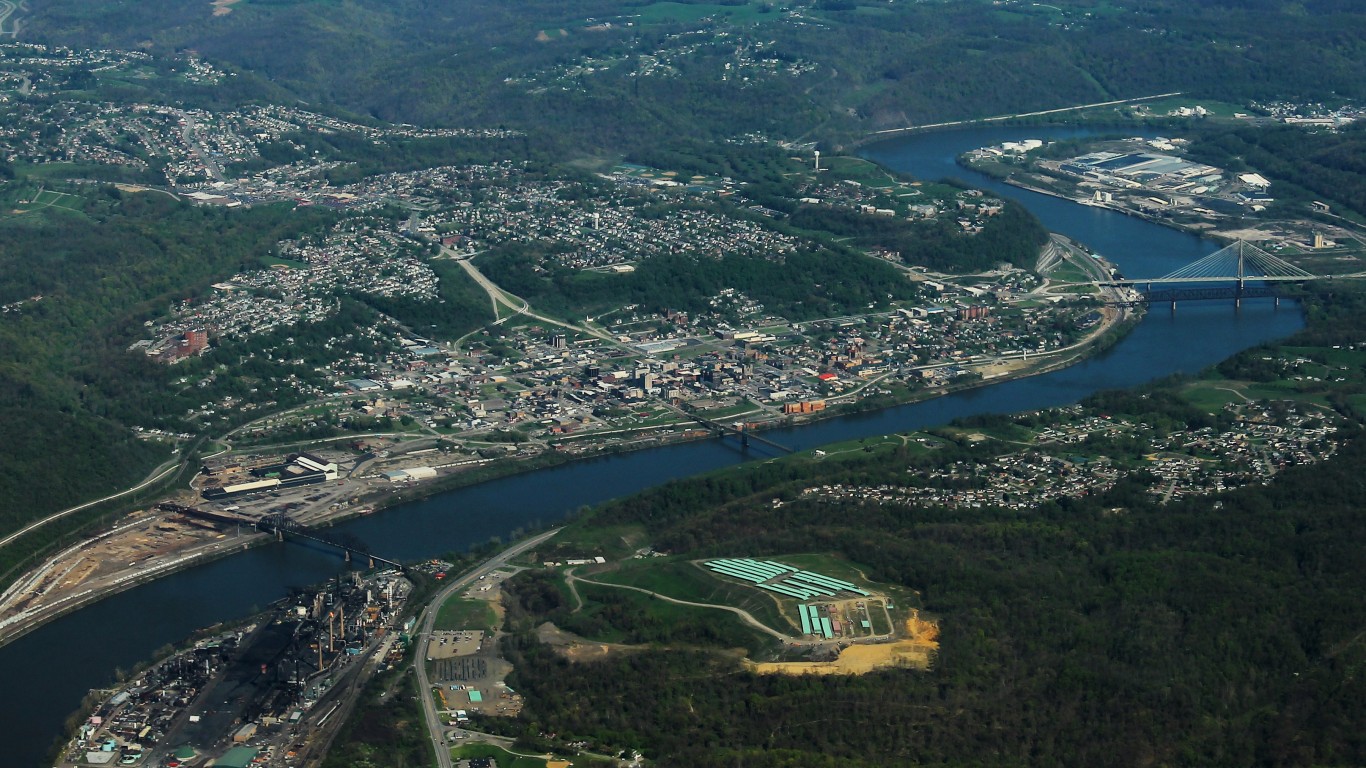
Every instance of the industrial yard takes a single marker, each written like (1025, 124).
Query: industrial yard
(259, 694)
(466, 669)
(231, 498)
(1155, 179)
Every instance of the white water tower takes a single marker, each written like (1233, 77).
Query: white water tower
(818, 161)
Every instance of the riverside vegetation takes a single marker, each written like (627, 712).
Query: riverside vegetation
(1111, 629)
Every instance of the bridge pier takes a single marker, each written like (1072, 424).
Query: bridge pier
(1173, 306)
(348, 555)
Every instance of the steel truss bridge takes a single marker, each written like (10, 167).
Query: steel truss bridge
(281, 525)
(742, 430)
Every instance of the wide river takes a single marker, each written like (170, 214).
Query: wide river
(46, 673)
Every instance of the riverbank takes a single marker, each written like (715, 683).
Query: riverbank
(1089, 203)
(57, 664)
(33, 618)
(1115, 324)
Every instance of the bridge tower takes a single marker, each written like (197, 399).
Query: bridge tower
(1242, 275)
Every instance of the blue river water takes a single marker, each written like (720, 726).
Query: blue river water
(46, 673)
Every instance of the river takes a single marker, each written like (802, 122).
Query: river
(47, 672)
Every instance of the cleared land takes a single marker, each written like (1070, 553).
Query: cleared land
(464, 613)
(915, 651)
(866, 636)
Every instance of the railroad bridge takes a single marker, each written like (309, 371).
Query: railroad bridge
(281, 525)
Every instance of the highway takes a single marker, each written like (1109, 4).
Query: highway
(499, 296)
(157, 474)
(1001, 118)
(424, 635)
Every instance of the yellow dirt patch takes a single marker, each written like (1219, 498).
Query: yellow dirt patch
(915, 652)
(922, 630)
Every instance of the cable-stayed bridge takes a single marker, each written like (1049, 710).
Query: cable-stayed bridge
(1238, 271)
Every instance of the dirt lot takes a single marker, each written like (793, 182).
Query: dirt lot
(1003, 368)
(137, 540)
(915, 650)
(575, 648)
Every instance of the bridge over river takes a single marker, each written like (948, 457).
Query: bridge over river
(1238, 271)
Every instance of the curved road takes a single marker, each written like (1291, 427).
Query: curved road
(499, 296)
(744, 615)
(157, 475)
(424, 637)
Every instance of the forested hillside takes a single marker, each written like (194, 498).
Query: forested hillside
(87, 274)
(1327, 166)
(1110, 630)
(609, 73)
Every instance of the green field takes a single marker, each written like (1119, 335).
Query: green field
(613, 542)
(683, 580)
(1213, 396)
(744, 406)
(615, 615)
(1067, 271)
(460, 613)
(857, 169)
(271, 261)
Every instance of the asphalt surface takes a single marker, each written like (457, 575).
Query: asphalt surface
(434, 726)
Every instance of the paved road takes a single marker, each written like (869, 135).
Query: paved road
(187, 134)
(7, 10)
(1000, 118)
(747, 617)
(519, 305)
(157, 474)
(424, 636)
